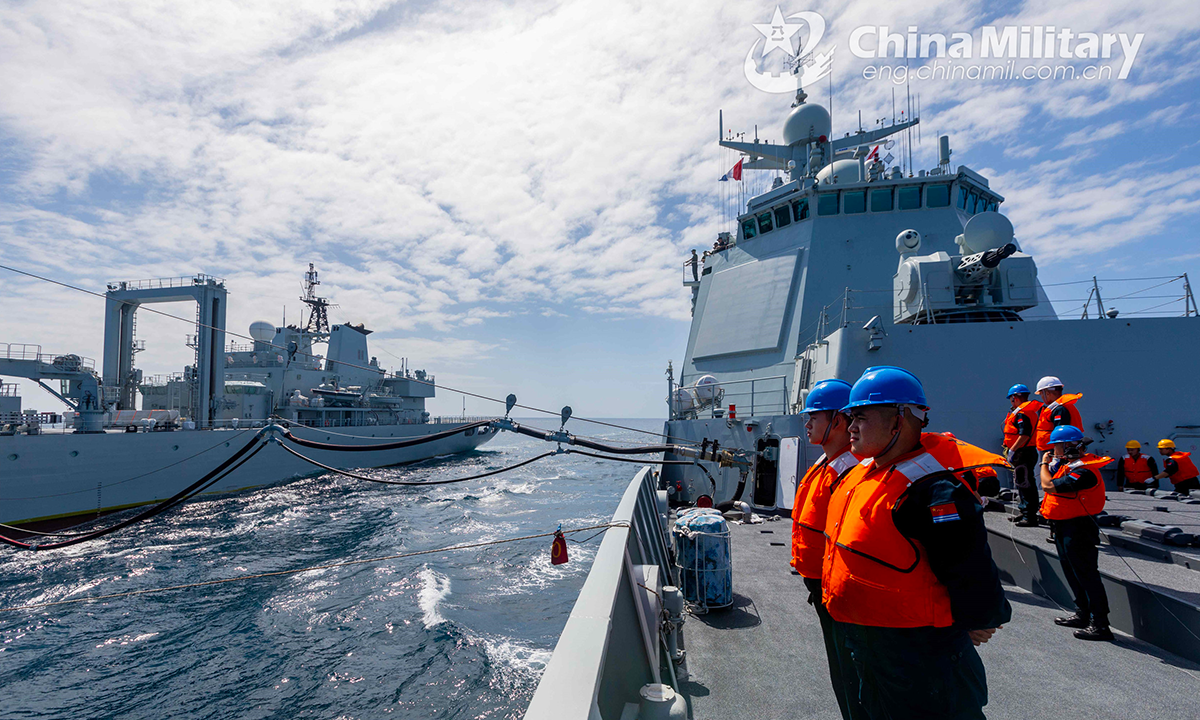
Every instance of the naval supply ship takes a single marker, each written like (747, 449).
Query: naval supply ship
(841, 265)
(105, 454)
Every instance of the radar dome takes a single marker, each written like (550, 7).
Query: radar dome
(806, 123)
(262, 331)
(985, 231)
(841, 172)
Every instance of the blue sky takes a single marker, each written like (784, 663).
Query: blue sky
(505, 192)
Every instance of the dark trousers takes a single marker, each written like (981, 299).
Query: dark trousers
(916, 673)
(840, 677)
(1186, 486)
(1024, 462)
(1077, 542)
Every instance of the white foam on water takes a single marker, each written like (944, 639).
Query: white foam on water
(435, 587)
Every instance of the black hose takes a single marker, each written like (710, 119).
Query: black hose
(229, 465)
(287, 434)
(578, 441)
(356, 476)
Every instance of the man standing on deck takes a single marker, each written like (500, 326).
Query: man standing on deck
(908, 577)
(1074, 496)
(828, 427)
(1136, 471)
(1057, 410)
(1020, 450)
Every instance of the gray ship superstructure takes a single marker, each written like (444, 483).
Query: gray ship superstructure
(105, 453)
(846, 264)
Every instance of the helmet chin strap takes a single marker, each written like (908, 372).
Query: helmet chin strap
(896, 433)
(828, 428)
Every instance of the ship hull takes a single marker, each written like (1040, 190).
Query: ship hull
(52, 477)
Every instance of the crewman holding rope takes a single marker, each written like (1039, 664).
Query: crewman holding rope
(908, 577)
(828, 427)
(1074, 496)
(1178, 466)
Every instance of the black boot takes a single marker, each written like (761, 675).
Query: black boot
(1095, 632)
(1073, 621)
(1026, 522)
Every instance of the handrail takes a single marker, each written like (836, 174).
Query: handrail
(589, 675)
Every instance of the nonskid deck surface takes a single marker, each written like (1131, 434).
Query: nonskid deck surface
(764, 658)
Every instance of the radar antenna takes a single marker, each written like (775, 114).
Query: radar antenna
(318, 317)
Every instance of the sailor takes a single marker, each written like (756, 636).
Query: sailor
(1179, 467)
(828, 427)
(695, 263)
(1074, 496)
(1021, 452)
(1057, 410)
(1136, 471)
(908, 577)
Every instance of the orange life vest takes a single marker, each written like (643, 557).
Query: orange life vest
(1187, 468)
(1030, 409)
(1065, 506)
(808, 512)
(1041, 436)
(873, 574)
(1136, 469)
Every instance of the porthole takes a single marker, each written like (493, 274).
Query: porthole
(174, 447)
(74, 453)
(13, 456)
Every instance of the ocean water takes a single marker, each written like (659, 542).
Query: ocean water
(450, 635)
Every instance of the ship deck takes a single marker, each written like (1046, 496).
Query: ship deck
(764, 657)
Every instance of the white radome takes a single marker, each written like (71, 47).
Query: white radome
(262, 331)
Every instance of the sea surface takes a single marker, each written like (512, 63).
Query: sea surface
(464, 634)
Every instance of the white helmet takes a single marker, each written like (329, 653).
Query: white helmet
(1048, 382)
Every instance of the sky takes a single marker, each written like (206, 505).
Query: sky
(506, 192)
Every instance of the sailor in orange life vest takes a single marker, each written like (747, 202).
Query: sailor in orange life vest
(828, 427)
(1074, 496)
(908, 577)
(1136, 471)
(1179, 467)
(1021, 452)
(1057, 410)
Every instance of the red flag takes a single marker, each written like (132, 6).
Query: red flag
(558, 549)
(736, 172)
(874, 154)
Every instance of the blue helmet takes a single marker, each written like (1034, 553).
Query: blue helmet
(1018, 389)
(1065, 434)
(886, 385)
(827, 395)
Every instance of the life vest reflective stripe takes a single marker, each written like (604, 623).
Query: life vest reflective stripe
(873, 574)
(1030, 409)
(1041, 436)
(1187, 468)
(812, 502)
(1065, 506)
(1136, 469)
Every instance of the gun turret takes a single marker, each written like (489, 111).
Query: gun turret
(975, 268)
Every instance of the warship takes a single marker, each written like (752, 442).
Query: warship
(104, 453)
(842, 264)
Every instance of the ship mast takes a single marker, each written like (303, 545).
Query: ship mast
(318, 316)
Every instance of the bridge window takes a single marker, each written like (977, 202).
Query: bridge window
(764, 222)
(881, 199)
(962, 197)
(910, 197)
(827, 203)
(800, 210)
(937, 196)
(993, 206)
(749, 228)
(972, 202)
(854, 202)
(783, 217)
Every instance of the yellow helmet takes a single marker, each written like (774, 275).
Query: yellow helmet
(1133, 445)
(1166, 444)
